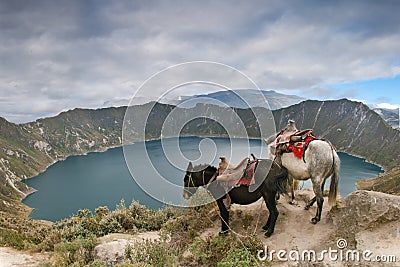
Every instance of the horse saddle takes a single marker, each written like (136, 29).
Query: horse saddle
(292, 135)
(300, 136)
(241, 173)
(284, 136)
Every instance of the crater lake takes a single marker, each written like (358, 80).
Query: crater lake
(103, 178)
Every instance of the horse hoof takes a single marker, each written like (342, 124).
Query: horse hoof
(314, 221)
(268, 234)
(293, 202)
(307, 207)
(265, 228)
(224, 233)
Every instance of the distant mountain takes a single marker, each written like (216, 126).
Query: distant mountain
(391, 116)
(231, 98)
(27, 149)
(238, 99)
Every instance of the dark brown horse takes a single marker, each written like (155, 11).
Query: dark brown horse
(270, 176)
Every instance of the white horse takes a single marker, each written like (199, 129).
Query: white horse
(319, 162)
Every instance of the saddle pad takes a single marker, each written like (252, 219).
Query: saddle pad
(298, 148)
(248, 175)
(228, 172)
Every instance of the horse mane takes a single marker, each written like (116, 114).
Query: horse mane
(201, 167)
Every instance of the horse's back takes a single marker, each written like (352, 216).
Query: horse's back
(320, 150)
(317, 161)
(320, 157)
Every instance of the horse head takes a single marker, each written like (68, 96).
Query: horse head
(195, 177)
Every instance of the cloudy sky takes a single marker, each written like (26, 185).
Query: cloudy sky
(57, 55)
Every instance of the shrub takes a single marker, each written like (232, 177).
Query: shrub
(238, 258)
(154, 254)
(185, 228)
(54, 237)
(98, 263)
(77, 252)
(101, 212)
(13, 238)
(109, 225)
(227, 249)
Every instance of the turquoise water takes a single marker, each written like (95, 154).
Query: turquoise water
(99, 179)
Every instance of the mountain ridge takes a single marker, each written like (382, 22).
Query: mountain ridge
(28, 149)
(391, 116)
(243, 98)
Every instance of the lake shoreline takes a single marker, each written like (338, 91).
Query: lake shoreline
(104, 167)
(366, 160)
(105, 149)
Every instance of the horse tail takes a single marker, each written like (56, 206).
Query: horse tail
(281, 181)
(333, 188)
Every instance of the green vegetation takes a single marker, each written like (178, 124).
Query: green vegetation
(238, 258)
(226, 251)
(73, 240)
(77, 252)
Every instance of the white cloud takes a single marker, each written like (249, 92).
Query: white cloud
(83, 54)
(388, 106)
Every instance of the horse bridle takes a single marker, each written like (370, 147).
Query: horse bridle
(191, 180)
(204, 183)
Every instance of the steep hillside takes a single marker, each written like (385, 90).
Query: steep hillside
(388, 182)
(351, 126)
(391, 116)
(27, 149)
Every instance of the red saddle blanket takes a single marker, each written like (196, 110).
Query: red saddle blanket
(248, 175)
(298, 148)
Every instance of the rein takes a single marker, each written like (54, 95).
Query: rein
(191, 180)
(211, 180)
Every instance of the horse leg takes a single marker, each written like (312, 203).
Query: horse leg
(267, 225)
(320, 202)
(269, 199)
(312, 201)
(224, 213)
(291, 183)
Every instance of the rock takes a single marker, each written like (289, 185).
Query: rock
(42, 146)
(370, 221)
(368, 209)
(112, 247)
(111, 252)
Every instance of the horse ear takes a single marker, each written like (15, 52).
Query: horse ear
(190, 167)
(272, 150)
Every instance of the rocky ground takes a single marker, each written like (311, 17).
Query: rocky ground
(12, 257)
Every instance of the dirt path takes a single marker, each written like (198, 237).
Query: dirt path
(293, 230)
(10, 257)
